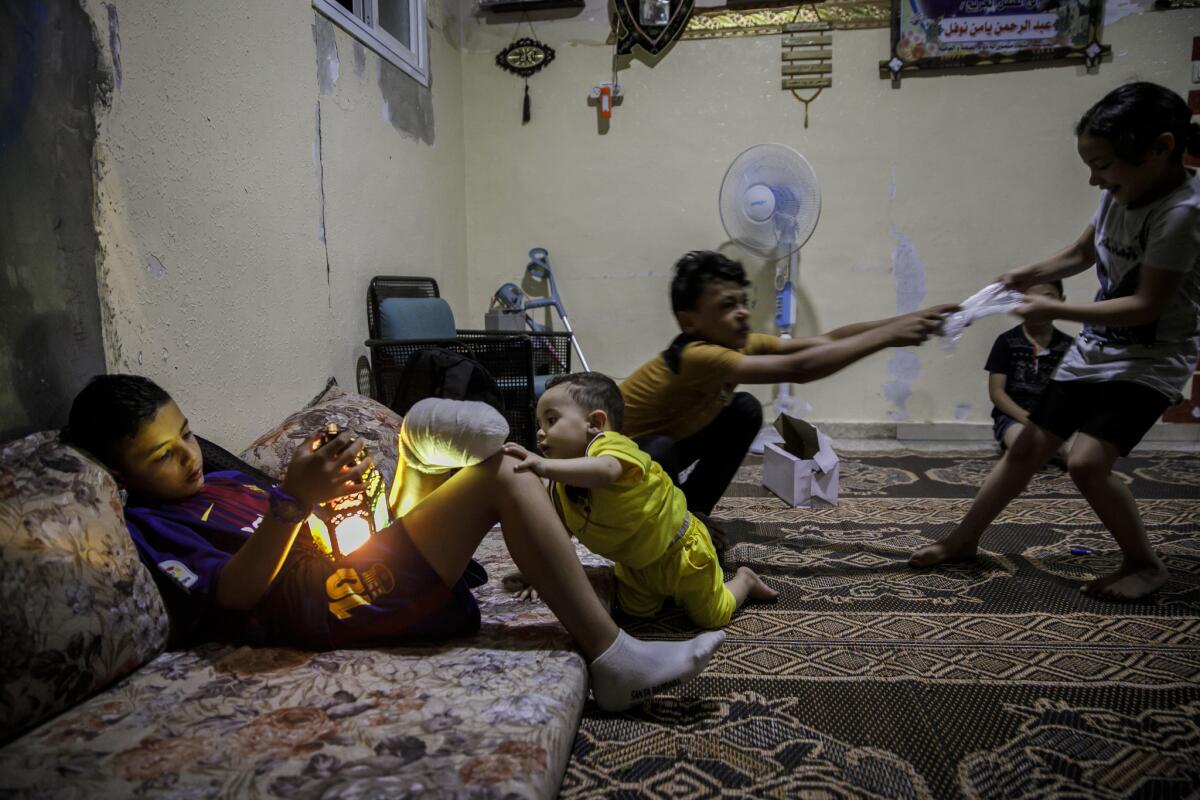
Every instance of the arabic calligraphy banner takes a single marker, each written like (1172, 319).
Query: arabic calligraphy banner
(951, 34)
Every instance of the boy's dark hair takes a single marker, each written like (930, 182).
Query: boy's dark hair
(695, 270)
(1057, 284)
(594, 390)
(110, 409)
(1132, 116)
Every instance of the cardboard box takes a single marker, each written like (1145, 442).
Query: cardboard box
(804, 468)
(507, 321)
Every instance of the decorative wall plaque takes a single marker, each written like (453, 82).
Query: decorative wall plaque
(956, 34)
(725, 23)
(650, 24)
(523, 57)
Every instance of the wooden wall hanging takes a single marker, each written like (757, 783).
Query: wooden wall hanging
(807, 59)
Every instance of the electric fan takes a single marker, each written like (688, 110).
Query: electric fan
(770, 201)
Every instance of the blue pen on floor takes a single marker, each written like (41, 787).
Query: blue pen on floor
(1080, 551)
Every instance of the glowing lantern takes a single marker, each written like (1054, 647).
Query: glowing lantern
(344, 524)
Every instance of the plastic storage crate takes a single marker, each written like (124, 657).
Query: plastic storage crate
(520, 363)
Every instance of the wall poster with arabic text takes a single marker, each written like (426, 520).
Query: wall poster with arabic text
(952, 34)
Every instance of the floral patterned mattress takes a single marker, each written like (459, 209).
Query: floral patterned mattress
(493, 716)
(94, 708)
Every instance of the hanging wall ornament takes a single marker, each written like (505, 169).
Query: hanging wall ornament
(524, 57)
(807, 58)
(650, 24)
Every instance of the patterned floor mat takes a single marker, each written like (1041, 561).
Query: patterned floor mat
(870, 679)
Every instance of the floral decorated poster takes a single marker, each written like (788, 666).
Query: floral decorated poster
(952, 34)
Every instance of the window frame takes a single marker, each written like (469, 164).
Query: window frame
(414, 61)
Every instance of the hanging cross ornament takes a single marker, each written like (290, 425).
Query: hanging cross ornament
(807, 59)
(524, 57)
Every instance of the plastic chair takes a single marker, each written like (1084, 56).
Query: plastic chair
(406, 314)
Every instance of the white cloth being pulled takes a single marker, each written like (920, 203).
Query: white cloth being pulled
(439, 435)
(991, 299)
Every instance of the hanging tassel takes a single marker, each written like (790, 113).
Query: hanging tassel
(525, 106)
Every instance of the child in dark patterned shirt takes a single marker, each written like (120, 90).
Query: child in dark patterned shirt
(1020, 366)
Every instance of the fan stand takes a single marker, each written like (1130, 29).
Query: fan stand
(785, 316)
(775, 184)
(785, 321)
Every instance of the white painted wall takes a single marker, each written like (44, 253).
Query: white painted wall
(208, 162)
(977, 171)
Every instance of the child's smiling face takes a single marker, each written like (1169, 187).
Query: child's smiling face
(1131, 185)
(721, 316)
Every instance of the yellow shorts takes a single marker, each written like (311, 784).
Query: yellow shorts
(688, 572)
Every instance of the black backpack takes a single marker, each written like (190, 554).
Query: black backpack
(436, 372)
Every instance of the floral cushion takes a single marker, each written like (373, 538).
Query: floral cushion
(77, 608)
(491, 716)
(373, 421)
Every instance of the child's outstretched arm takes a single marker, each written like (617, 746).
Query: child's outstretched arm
(1172, 247)
(823, 359)
(587, 472)
(855, 328)
(1155, 289)
(313, 477)
(1067, 262)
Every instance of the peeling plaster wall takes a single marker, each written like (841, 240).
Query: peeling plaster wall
(946, 181)
(403, 210)
(248, 189)
(50, 329)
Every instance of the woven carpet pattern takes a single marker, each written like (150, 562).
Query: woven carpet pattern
(871, 679)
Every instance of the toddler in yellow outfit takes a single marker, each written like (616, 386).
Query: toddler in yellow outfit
(621, 504)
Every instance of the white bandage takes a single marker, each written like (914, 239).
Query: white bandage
(439, 435)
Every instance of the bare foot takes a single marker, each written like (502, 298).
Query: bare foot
(516, 584)
(1129, 582)
(946, 551)
(757, 590)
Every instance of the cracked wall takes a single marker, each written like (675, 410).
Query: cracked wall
(247, 187)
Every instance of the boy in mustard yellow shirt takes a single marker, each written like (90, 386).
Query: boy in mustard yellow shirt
(682, 406)
(621, 505)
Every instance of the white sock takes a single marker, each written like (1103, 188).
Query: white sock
(632, 670)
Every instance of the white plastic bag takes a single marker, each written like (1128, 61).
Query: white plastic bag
(991, 299)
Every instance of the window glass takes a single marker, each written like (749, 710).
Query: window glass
(394, 18)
